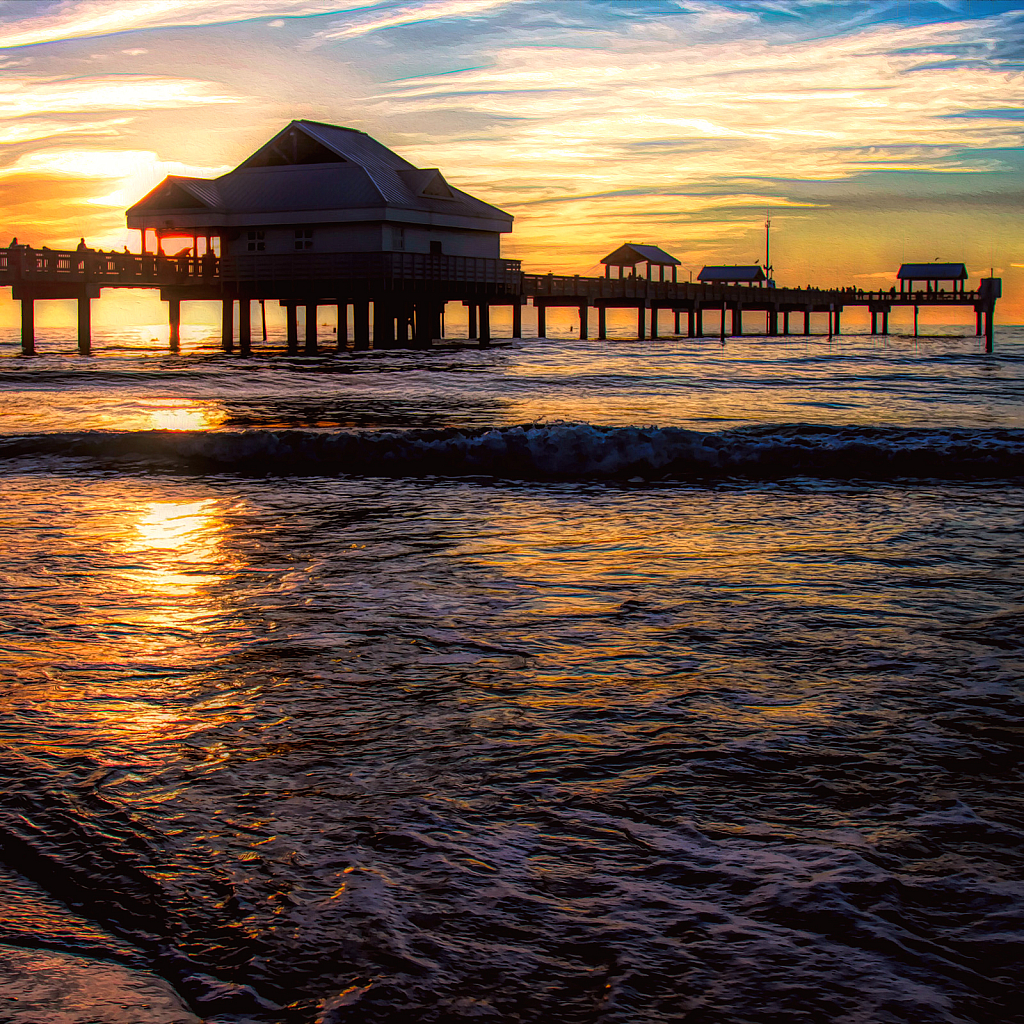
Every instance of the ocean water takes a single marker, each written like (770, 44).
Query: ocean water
(556, 682)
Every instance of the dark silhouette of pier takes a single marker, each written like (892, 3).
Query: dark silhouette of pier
(403, 295)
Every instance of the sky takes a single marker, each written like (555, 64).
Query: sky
(875, 132)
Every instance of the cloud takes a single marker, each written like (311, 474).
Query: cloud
(386, 15)
(77, 19)
(23, 95)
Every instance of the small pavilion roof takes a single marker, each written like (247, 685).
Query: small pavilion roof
(932, 272)
(629, 255)
(743, 273)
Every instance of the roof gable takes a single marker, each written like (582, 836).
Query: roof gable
(171, 194)
(427, 182)
(629, 255)
(292, 146)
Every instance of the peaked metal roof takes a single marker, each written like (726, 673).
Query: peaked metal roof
(629, 255)
(368, 176)
(740, 273)
(932, 272)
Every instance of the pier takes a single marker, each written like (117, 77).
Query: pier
(403, 295)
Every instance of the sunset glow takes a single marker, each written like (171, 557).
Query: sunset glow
(876, 133)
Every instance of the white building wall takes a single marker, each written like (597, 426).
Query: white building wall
(365, 237)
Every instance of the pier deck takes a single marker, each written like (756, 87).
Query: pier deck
(406, 292)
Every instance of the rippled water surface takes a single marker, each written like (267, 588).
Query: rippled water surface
(553, 683)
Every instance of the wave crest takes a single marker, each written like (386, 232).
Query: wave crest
(560, 451)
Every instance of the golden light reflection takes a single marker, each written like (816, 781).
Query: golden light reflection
(182, 544)
(184, 416)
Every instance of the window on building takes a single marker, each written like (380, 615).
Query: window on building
(397, 238)
(257, 241)
(304, 238)
(435, 249)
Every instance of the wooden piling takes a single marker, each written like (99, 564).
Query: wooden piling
(471, 329)
(341, 343)
(838, 320)
(360, 325)
(807, 321)
(542, 326)
(990, 329)
(245, 326)
(584, 321)
(678, 322)
(291, 313)
(485, 325)
(227, 325)
(517, 318)
(691, 327)
(383, 324)
(722, 325)
(641, 322)
(654, 322)
(915, 319)
(174, 322)
(311, 346)
(602, 323)
(28, 327)
(84, 325)
(737, 319)
(785, 322)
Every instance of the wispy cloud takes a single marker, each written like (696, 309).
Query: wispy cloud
(77, 19)
(379, 16)
(23, 95)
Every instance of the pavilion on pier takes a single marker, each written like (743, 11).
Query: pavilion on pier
(633, 256)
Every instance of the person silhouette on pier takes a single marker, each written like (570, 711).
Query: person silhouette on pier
(82, 247)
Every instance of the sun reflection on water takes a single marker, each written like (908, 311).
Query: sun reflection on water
(184, 416)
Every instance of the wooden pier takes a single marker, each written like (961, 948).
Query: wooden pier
(403, 295)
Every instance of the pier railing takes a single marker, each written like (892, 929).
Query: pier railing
(134, 269)
(595, 289)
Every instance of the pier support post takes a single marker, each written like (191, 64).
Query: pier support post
(28, 327)
(990, 316)
(584, 321)
(485, 325)
(831, 313)
(174, 321)
(245, 326)
(773, 322)
(977, 317)
(641, 322)
(471, 329)
(84, 325)
(915, 320)
(293, 328)
(227, 325)
(699, 318)
(542, 321)
(360, 325)
(737, 319)
(885, 321)
(311, 346)
(691, 327)
(722, 326)
(874, 322)
(383, 324)
(342, 340)
(785, 322)
(517, 319)
(838, 321)
(602, 323)
(678, 322)
(654, 322)
(807, 321)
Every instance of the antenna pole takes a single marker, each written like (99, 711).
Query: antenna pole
(767, 242)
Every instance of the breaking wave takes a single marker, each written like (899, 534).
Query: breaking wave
(560, 451)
